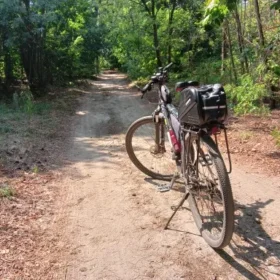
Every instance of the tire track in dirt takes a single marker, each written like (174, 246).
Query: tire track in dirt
(114, 217)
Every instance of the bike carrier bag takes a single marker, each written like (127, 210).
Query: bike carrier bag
(204, 105)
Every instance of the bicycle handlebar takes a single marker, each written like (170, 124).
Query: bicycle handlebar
(148, 86)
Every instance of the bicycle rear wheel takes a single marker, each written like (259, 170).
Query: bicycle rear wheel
(147, 147)
(211, 200)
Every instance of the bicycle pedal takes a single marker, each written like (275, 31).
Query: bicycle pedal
(164, 188)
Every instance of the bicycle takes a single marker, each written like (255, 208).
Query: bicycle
(197, 158)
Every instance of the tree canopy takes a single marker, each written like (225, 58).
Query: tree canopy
(235, 42)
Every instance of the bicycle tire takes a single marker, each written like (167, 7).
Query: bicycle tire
(225, 193)
(130, 135)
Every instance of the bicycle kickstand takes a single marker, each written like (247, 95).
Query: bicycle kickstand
(185, 197)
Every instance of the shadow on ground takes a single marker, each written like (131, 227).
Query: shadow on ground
(252, 251)
(252, 245)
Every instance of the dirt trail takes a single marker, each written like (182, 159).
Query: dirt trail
(114, 217)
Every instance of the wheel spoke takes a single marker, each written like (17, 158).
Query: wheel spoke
(143, 151)
(207, 201)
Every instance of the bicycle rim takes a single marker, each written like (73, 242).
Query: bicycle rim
(211, 199)
(144, 152)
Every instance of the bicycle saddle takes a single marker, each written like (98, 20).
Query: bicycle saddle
(181, 85)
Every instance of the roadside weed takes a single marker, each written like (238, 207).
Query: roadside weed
(6, 191)
(246, 135)
(35, 169)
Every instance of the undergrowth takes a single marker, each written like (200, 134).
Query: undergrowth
(247, 97)
(24, 102)
(7, 191)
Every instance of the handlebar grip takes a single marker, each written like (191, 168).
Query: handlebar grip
(146, 87)
(169, 65)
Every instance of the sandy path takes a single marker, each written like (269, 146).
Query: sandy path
(114, 216)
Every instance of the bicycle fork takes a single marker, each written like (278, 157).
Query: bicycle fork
(159, 133)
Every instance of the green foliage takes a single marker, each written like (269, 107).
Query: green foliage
(5, 129)
(276, 5)
(276, 135)
(247, 97)
(131, 33)
(4, 109)
(215, 12)
(42, 108)
(24, 102)
(55, 42)
(35, 169)
(75, 41)
(206, 72)
(49, 42)
(6, 191)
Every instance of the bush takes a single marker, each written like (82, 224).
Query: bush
(207, 71)
(247, 97)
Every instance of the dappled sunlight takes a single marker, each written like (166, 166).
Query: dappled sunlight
(98, 140)
(111, 82)
(75, 200)
(81, 113)
(109, 77)
(79, 90)
(104, 86)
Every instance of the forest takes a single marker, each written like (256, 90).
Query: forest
(72, 205)
(47, 43)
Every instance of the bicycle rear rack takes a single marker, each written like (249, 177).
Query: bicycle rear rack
(187, 193)
(227, 146)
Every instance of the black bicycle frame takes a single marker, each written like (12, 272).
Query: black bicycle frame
(165, 120)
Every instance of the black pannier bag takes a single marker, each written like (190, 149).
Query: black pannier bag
(204, 105)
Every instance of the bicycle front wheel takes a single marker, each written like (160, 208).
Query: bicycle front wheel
(147, 147)
(211, 200)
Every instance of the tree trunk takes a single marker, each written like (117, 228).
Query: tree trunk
(259, 22)
(170, 31)
(244, 60)
(8, 63)
(8, 69)
(152, 13)
(272, 100)
(230, 51)
(32, 55)
(224, 48)
(156, 45)
(155, 32)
